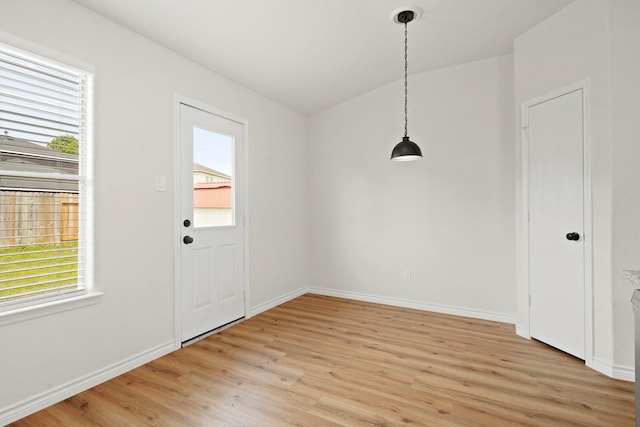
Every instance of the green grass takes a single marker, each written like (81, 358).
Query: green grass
(37, 264)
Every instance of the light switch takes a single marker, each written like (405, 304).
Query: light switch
(161, 183)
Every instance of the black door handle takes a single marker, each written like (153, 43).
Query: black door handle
(187, 240)
(573, 236)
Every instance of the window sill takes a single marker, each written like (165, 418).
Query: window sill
(45, 309)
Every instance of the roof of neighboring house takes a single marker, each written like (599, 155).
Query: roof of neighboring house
(213, 184)
(197, 167)
(212, 195)
(32, 149)
(19, 155)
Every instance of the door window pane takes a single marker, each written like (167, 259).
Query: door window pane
(213, 195)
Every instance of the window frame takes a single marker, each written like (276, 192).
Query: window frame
(85, 294)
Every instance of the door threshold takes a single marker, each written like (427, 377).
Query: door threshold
(211, 332)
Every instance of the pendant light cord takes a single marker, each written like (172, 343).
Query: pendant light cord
(405, 80)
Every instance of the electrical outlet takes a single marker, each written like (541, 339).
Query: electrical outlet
(406, 275)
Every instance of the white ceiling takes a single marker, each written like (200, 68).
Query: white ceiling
(312, 54)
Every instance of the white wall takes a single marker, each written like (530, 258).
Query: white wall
(624, 23)
(596, 40)
(134, 225)
(449, 218)
(348, 220)
(566, 48)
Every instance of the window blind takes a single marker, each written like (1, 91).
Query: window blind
(43, 111)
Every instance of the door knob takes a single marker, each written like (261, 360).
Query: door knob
(186, 223)
(187, 240)
(573, 236)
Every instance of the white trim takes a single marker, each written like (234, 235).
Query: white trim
(276, 302)
(181, 99)
(626, 373)
(588, 224)
(619, 372)
(245, 218)
(55, 302)
(417, 305)
(522, 333)
(524, 329)
(71, 388)
(41, 175)
(177, 332)
(396, 302)
(36, 310)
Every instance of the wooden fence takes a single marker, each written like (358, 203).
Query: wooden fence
(32, 218)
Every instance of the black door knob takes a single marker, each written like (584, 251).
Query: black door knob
(573, 236)
(186, 223)
(187, 240)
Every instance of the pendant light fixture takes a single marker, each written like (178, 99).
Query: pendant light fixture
(406, 150)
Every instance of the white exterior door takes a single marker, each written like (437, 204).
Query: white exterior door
(212, 281)
(556, 222)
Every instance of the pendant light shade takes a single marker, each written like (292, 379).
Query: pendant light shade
(406, 150)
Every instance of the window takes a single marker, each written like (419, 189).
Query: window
(43, 179)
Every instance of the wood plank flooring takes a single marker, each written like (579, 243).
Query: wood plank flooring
(321, 361)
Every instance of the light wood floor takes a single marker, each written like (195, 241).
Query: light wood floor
(318, 361)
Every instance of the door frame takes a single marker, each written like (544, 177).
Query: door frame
(524, 297)
(181, 99)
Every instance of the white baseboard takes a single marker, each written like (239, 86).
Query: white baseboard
(522, 332)
(626, 373)
(398, 302)
(43, 400)
(276, 302)
(619, 372)
(418, 305)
